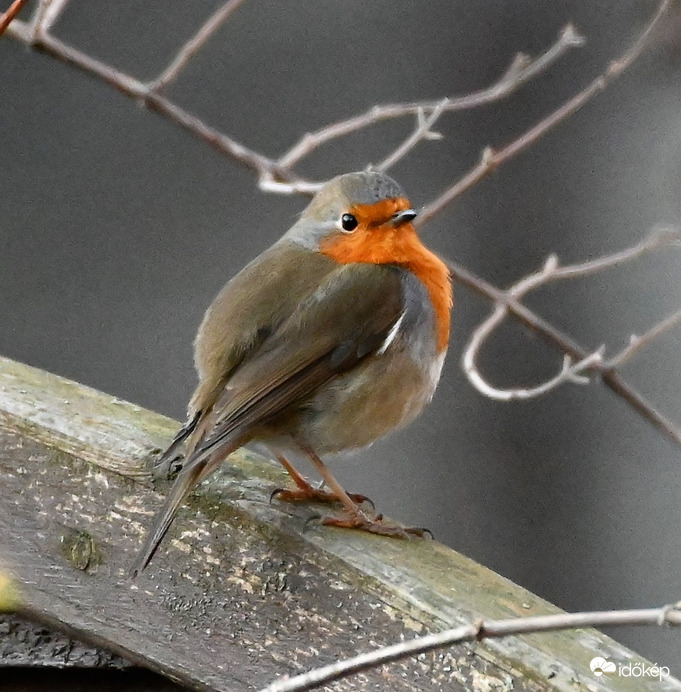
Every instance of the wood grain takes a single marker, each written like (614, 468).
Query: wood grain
(241, 592)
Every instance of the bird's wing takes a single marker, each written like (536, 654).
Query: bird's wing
(348, 318)
(248, 309)
(256, 301)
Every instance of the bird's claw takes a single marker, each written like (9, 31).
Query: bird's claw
(376, 525)
(312, 494)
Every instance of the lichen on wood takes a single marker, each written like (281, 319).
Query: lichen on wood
(243, 590)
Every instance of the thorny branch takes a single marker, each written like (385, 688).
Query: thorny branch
(277, 174)
(667, 615)
(570, 371)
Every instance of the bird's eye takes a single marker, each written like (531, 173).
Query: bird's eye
(349, 222)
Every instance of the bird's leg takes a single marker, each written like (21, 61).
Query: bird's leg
(353, 517)
(305, 492)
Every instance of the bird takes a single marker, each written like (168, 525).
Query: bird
(330, 339)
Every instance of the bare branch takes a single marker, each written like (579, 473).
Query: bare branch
(661, 237)
(421, 132)
(53, 46)
(636, 343)
(571, 371)
(277, 176)
(561, 341)
(263, 165)
(194, 45)
(266, 168)
(520, 71)
(552, 271)
(492, 159)
(268, 183)
(12, 11)
(46, 15)
(667, 615)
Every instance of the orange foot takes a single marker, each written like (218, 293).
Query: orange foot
(309, 493)
(363, 523)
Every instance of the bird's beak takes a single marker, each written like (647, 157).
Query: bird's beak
(402, 217)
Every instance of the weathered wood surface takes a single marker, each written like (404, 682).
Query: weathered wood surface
(27, 644)
(242, 592)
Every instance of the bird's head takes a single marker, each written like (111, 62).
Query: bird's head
(353, 213)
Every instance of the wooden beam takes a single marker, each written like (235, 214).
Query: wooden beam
(26, 644)
(242, 591)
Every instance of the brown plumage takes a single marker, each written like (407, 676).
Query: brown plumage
(327, 341)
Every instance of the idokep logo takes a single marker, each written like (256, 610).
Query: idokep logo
(600, 665)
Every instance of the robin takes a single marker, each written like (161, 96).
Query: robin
(327, 341)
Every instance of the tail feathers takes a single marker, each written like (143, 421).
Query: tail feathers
(184, 483)
(194, 471)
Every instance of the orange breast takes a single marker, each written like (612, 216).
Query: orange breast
(384, 244)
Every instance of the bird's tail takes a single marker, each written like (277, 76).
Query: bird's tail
(194, 471)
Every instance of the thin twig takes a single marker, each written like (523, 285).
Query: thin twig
(520, 72)
(12, 11)
(276, 176)
(45, 17)
(662, 237)
(667, 615)
(195, 43)
(52, 46)
(273, 175)
(139, 91)
(569, 372)
(557, 339)
(636, 342)
(421, 131)
(551, 271)
(491, 159)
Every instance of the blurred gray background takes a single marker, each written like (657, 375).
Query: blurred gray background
(117, 228)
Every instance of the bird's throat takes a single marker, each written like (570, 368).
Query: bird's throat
(401, 246)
